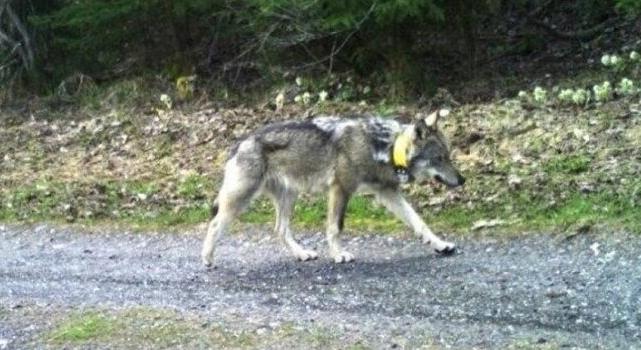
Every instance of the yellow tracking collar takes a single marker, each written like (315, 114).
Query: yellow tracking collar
(401, 149)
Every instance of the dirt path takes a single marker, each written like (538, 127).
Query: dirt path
(583, 291)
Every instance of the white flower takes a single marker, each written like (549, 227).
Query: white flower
(166, 100)
(322, 96)
(523, 95)
(581, 97)
(540, 94)
(566, 95)
(626, 87)
(634, 56)
(367, 90)
(298, 98)
(307, 98)
(605, 60)
(299, 81)
(602, 92)
(615, 60)
(280, 101)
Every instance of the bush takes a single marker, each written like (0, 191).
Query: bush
(631, 7)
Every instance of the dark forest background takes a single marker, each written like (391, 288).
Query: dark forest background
(406, 47)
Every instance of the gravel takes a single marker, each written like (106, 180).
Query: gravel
(581, 291)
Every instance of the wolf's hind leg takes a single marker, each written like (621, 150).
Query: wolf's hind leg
(336, 206)
(284, 200)
(239, 187)
(394, 202)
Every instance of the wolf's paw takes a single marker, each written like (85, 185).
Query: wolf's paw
(304, 255)
(445, 248)
(207, 261)
(342, 257)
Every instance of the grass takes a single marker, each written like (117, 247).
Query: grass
(134, 204)
(139, 327)
(83, 327)
(157, 328)
(164, 200)
(362, 214)
(570, 164)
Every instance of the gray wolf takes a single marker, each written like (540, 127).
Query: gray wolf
(340, 156)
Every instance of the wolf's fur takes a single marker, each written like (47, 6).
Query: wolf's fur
(341, 156)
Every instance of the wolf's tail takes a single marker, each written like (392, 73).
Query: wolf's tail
(214, 208)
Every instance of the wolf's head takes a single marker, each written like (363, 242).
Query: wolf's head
(427, 152)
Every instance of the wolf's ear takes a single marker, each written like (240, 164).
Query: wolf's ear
(425, 125)
(432, 119)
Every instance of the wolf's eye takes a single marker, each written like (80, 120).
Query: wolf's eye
(438, 159)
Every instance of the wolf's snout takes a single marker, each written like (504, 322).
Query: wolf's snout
(458, 181)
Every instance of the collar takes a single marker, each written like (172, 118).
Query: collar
(401, 148)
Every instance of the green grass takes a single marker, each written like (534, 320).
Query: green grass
(192, 186)
(158, 328)
(362, 214)
(570, 164)
(140, 327)
(83, 327)
(144, 205)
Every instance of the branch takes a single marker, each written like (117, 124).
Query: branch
(14, 47)
(26, 40)
(336, 50)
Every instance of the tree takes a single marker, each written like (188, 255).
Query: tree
(16, 43)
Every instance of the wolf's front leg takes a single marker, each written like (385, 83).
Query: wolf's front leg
(394, 202)
(336, 206)
(284, 200)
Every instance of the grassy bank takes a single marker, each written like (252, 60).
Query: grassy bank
(531, 166)
(141, 205)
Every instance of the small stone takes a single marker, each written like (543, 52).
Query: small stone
(553, 294)
(514, 181)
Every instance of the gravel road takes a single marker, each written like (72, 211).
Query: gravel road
(580, 291)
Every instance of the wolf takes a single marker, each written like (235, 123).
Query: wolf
(342, 156)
